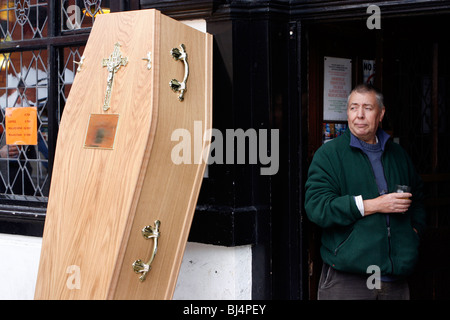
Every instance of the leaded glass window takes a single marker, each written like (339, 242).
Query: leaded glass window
(68, 68)
(23, 83)
(23, 19)
(37, 71)
(80, 14)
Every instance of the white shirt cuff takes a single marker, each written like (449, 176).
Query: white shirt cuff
(359, 204)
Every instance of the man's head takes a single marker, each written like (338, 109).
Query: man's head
(365, 111)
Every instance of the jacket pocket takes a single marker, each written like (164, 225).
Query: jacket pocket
(365, 245)
(343, 243)
(405, 245)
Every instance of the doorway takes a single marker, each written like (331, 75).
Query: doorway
(412, 69)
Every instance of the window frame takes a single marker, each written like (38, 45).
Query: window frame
(28, 217)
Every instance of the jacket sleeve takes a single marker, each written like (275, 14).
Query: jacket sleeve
(324, 203)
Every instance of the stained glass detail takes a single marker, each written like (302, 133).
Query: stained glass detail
(23, 19)
(68, 67)
(24, 83)
(80, 14)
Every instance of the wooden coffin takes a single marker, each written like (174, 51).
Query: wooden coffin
(114, 172)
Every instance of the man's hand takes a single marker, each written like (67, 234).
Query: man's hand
(388, 203)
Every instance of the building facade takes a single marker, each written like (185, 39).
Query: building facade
(250, 238)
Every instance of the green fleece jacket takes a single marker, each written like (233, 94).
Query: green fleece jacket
(351, 242)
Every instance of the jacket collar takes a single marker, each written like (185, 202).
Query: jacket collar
(383, 137)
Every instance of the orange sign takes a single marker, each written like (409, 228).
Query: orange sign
(21, 126)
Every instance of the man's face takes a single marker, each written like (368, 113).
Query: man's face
(364, 115)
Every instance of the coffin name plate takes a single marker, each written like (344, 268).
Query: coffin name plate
(101, 131)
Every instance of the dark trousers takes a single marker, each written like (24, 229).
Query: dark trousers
(337, 285)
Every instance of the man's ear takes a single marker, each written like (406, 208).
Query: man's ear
(383, 110)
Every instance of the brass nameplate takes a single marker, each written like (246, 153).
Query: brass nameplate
(101, 131)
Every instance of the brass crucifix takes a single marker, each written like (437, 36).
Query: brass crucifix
(113, 63)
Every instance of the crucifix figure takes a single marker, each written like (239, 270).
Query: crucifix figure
(113, 63)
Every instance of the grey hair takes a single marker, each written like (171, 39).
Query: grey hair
(364, 88)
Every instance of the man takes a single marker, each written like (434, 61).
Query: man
(366, 225)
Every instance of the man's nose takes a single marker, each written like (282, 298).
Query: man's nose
(360, 113)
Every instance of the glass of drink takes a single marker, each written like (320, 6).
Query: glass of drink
(402, 189)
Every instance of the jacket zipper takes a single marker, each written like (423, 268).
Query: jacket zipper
(388, 224)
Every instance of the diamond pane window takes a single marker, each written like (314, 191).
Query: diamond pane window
(23, 19)
(80, 14)
(67, 64)
(40, 43)
(24, 83)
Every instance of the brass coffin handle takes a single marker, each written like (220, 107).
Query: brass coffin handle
(175, 85)
(139, 266)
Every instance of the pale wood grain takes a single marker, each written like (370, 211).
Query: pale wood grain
(101, 199)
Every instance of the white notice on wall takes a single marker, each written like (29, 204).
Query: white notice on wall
(337, 85)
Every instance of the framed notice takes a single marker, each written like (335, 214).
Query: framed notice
(337, 86)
